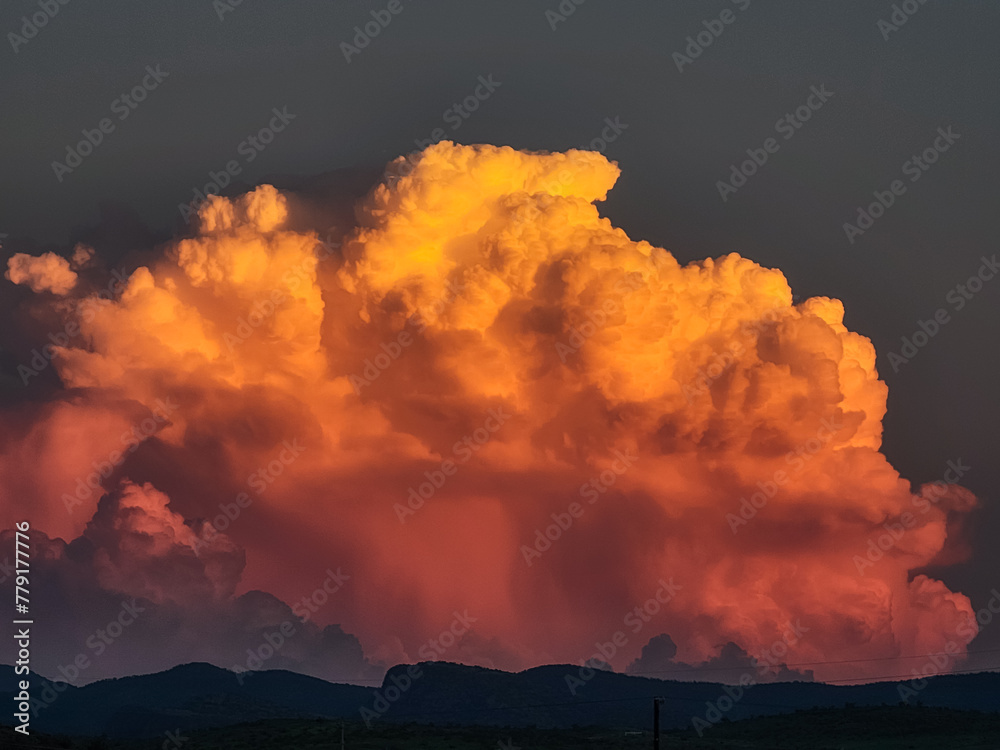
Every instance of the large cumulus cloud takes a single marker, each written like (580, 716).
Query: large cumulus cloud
(482, 348)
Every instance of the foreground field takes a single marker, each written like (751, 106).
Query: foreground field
(882, 728)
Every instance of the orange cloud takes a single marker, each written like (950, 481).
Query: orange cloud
(45, 273)
(485, 279)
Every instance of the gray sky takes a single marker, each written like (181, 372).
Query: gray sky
(559, 83)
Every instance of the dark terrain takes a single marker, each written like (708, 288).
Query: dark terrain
(454, 706)
(880, 728)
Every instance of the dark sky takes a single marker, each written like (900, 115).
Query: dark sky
(557, 88)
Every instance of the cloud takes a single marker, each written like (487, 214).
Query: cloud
(141, 590)
(482, 281)
(83, 256)
(44, 273)
(731, 665)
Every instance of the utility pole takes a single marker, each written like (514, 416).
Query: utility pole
(656, 723)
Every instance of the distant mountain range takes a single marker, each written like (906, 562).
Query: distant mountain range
(201, 696)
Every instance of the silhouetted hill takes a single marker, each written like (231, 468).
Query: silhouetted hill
(201, 696)
(541, 697)
(187, 697)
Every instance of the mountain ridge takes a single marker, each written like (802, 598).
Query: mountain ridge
(200, 696)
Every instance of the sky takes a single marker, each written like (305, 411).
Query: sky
(765, 130)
